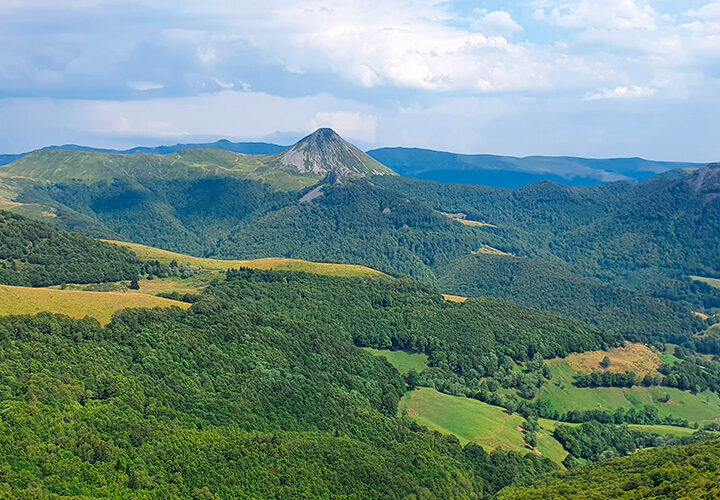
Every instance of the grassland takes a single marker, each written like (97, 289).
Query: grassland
(454, 298)
(462, 219)
(488, 250)
(75, 303)
(713, 282)
(57, 166)
(193, 284)
(637, 358)
(401, 360)
(276, 264)
(471, 420)
(491, 426)
(702, 408)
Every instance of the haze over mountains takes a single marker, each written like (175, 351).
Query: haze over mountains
(440, 166)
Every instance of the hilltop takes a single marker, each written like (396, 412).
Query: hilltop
(326, 153)
(321, 155)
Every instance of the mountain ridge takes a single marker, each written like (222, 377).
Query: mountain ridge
(441, 166)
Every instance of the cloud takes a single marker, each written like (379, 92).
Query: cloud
(359, 126)
(230, 113)
(603, 14)
(710, 11)
(497, 22)
(620, 92)
(143, 86)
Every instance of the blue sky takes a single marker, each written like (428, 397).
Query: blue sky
(595, 78)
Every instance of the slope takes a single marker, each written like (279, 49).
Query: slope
(147, 253)
(682, 472)
(36, 254)
(551, 286)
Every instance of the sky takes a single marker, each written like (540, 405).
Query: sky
(596, 78)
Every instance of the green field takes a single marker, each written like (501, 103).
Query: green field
(75, 303)
(155, 286)
(276, 264)
(713, 282)
(401, 360)
(472, 420)
(550, 425)
(564, 396)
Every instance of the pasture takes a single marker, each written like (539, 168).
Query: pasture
(703, 407)
(75, 303)
(471, 420)
(271, 263)
(401, 360)
(637, 358)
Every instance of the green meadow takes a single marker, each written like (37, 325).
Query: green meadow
(401, 360)
(564, 396)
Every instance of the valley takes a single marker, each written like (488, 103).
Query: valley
(308, 309)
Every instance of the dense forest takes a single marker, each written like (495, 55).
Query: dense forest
(552, 286)
(218, 402)
(648, 236)
(674, 472)
(470, 339)
(259, 388)
(36, 254)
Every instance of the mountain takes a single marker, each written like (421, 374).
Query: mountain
(325, 153)
(248, 148)
(513, 172)
(319, 200)
(481, 169)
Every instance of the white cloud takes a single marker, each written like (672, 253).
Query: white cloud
(143, 86)
(359, 126)
(497, 22)
(710, 11)
(224, 85)
(621, 92)
(602, 14)
(230, 113)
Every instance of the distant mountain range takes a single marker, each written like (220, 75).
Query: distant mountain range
(513, 172)
(439, 166)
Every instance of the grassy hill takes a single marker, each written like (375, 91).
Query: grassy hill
(61, 166)
(147, 253)
(16, 300)
(473, 421)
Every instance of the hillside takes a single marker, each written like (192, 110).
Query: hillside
(620, 253)
(166, 257)
(649, 236)
(36, 254)
(680, 472)
(250, 373)
(553, 287)
(18, 300)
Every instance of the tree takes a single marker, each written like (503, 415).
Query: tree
(605, 363)
(134, 285)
